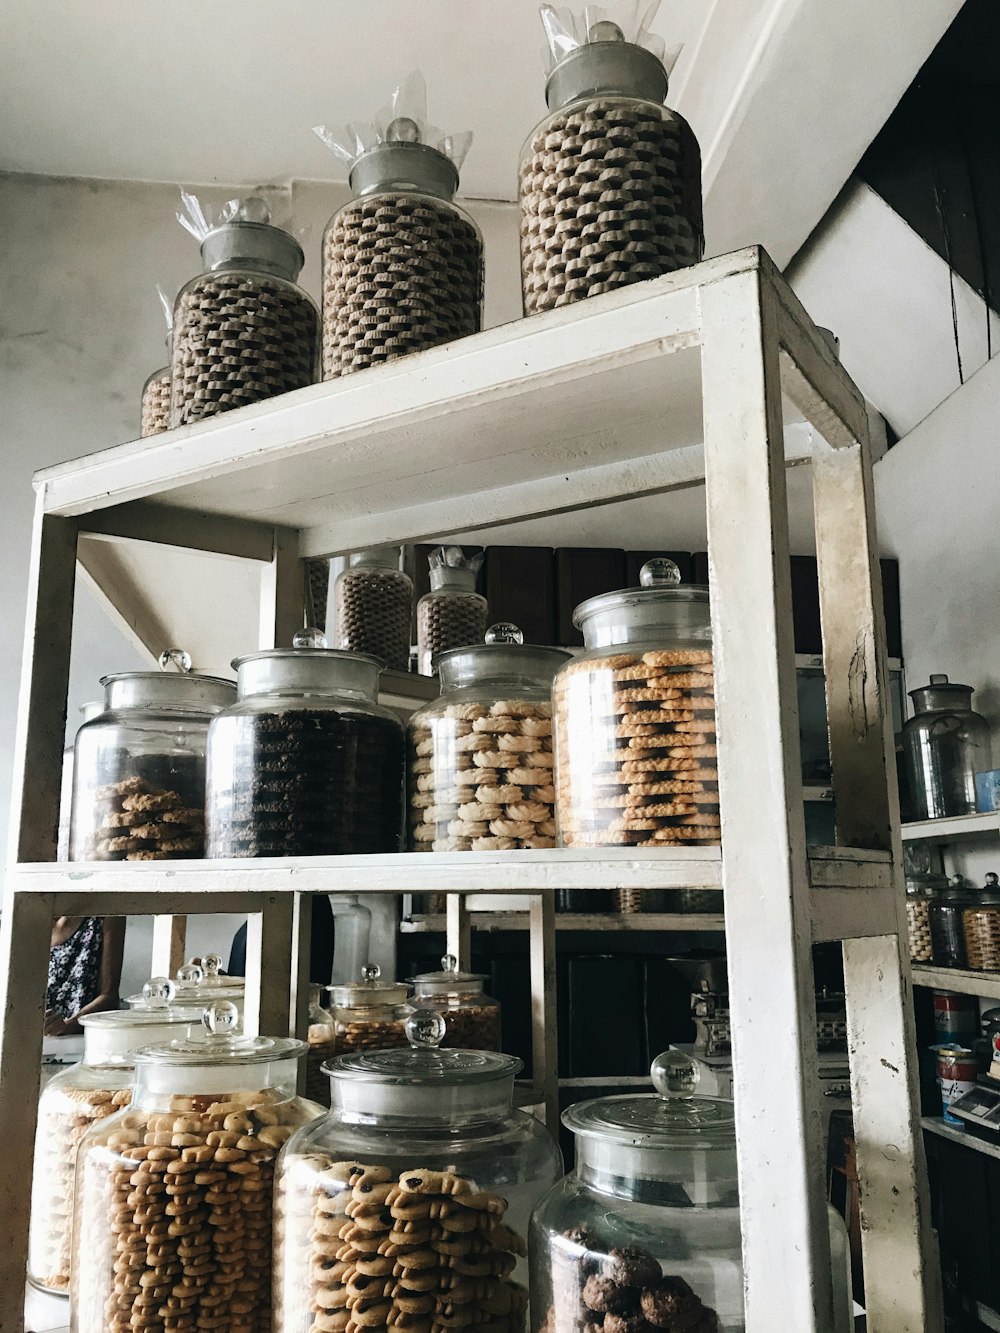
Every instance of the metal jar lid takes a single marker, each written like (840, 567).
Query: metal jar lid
(167, 692)
(307, 671)
(449, 979)
(370, 992)
(606, 64)
(504, 656)
(402, 162)
(257, 245)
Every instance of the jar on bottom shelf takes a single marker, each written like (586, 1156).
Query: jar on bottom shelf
(472, 1018)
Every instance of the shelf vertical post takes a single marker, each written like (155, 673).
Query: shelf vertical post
(765, 869)
(272, 940)
(169, 943)
(458, 931)
(544, 1034)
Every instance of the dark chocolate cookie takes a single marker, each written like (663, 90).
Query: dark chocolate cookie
(631, 1266)
(607, 1297)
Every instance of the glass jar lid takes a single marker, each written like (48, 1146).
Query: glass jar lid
(448, 979)
(161, 690)
(309, 667)
(112, 1037)
(250, 238)
(606, 63)
(503, 656)
(194, 1064)
(370, 991)
(941, 693)
(659, 609)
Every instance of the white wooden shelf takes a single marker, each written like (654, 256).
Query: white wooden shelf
(608, 922)
(935, 1124)
(961, 980)
(948, 830)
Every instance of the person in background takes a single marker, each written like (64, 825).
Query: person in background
(85, 970)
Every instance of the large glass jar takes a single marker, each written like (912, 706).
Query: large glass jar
(306, 762)
(452, 614)
(74, 1100)
(644, 1232)
(373, 606)
(610, 180)
(480, 756)
(139, 768)
(408, 1204)
(634, 719)
(174, 1195)
(243, 330)
(947, 921)
(370, 1014)
(946, 744)
(472, 1018)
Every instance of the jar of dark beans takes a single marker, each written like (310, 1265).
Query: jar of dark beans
(472, 1018)
(306, 762)
(373, 606)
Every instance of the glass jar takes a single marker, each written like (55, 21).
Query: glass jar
(87, 711)
(919, 889)
(139, 768)
(197, 985)
(981, 924)
(610, 180)
(306, 762)
(74, 1100)
(946, 744)
(452, 614)
(472, 1018)
(155, 411)
(370, 1014)
(646, 1227)
(243, 330)
(320, 1038)
(634, 719)
(480, 755)
(423, 1171)
(174, 1195)
(402, 263)
(352, 929)
(373, 606)
(947, 912)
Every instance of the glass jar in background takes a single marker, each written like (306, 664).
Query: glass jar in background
(957, 1072)
(139, 767)
(946, 744)
(74, 1100)
(370, 1014)
(352, 929)
(196, 985)
(87, 711)
(155, 407)
(321, 1039)
(452, 614)
(646, 1227)
(175, 1194)
(947, 911)
(480, 755)
(243, 331)
(472, 1018)
(306, 762)
(373, 606)
(981, 924)
(634, 719)
(424, 1152)
(610, 180)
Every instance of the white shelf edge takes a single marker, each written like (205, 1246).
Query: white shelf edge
(630, 923)
(962, 981)
(988, 1316)
(958, 826)
(935, 1124)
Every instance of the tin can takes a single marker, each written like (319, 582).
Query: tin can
(956, 1017)
(956, 1070)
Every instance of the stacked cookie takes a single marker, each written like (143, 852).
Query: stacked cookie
(239, 337)
(982, 938)
(374, 609)
(480, 778)
(637, 750)
(425, 1252)
(136, 820)
(610, 194)
(401, 272)
(448, 620)
(918, 929)
(156, 404)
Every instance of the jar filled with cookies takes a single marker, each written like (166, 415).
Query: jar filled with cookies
(373, 606)
(155, 405)
(76, 1099)
(610, 180)
(634, 719)
(407, 1206)
(174, 1195)
(644, 1232)
(479, 757)
(402, 263)
(139, 766)
(369, 1014)
(306, 762)
(452, 614)
(471, 1017)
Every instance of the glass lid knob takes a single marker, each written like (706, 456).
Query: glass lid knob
(158, 992)
(190, 975)
(371, 972)
(253, 209)
(220, 1018)
(212, 964)
(449, 963)
(660, 572)
(310, 637)
(176, 657)
(403, 130)
(675, 1076)
(605, 31)
(425, 1029)
(504, 632)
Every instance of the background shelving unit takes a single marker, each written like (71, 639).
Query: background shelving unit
(685, 380)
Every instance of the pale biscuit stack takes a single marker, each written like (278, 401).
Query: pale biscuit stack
(401, 272)
(156, 404)
(137, 821)
(176, 1219)
(918, 929)
(982, 938)
(64, 1116)
(636, 750)
(424, 1252)
(480, 778)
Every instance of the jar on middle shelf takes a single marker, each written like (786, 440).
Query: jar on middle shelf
(947, 912)
(981, 925)
(139, 768)
(174, 1195)
(373, 606)
(306, 762)
(472, 1018)
(634, 719)
(74, 1100)
(480, 755)
(423, 1159)
(918, 918)
(369, 1014)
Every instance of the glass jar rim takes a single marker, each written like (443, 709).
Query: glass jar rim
(647, 1120)
(626, 597)
(414, 1067)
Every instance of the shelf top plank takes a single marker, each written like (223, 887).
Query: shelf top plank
(605, 922)
(949, 829)
(936, 1124)
(961, 980)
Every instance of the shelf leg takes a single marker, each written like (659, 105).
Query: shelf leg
(544, 1044)
(281, 592)
(271, 957)
(25, 931)
(458, 931)
(169, 943)
(765, 870)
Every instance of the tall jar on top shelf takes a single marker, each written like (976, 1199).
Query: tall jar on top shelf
(373, 606)
(946, 744)
(634, 719)
(480, 756)
(452, 614)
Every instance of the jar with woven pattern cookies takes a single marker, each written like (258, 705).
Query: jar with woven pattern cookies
(139, 767)
(471, 1017)
(610, 180)
(174, 1195)
(479, 757)
(634, 719)
(408, 1205)
(78, 1098)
